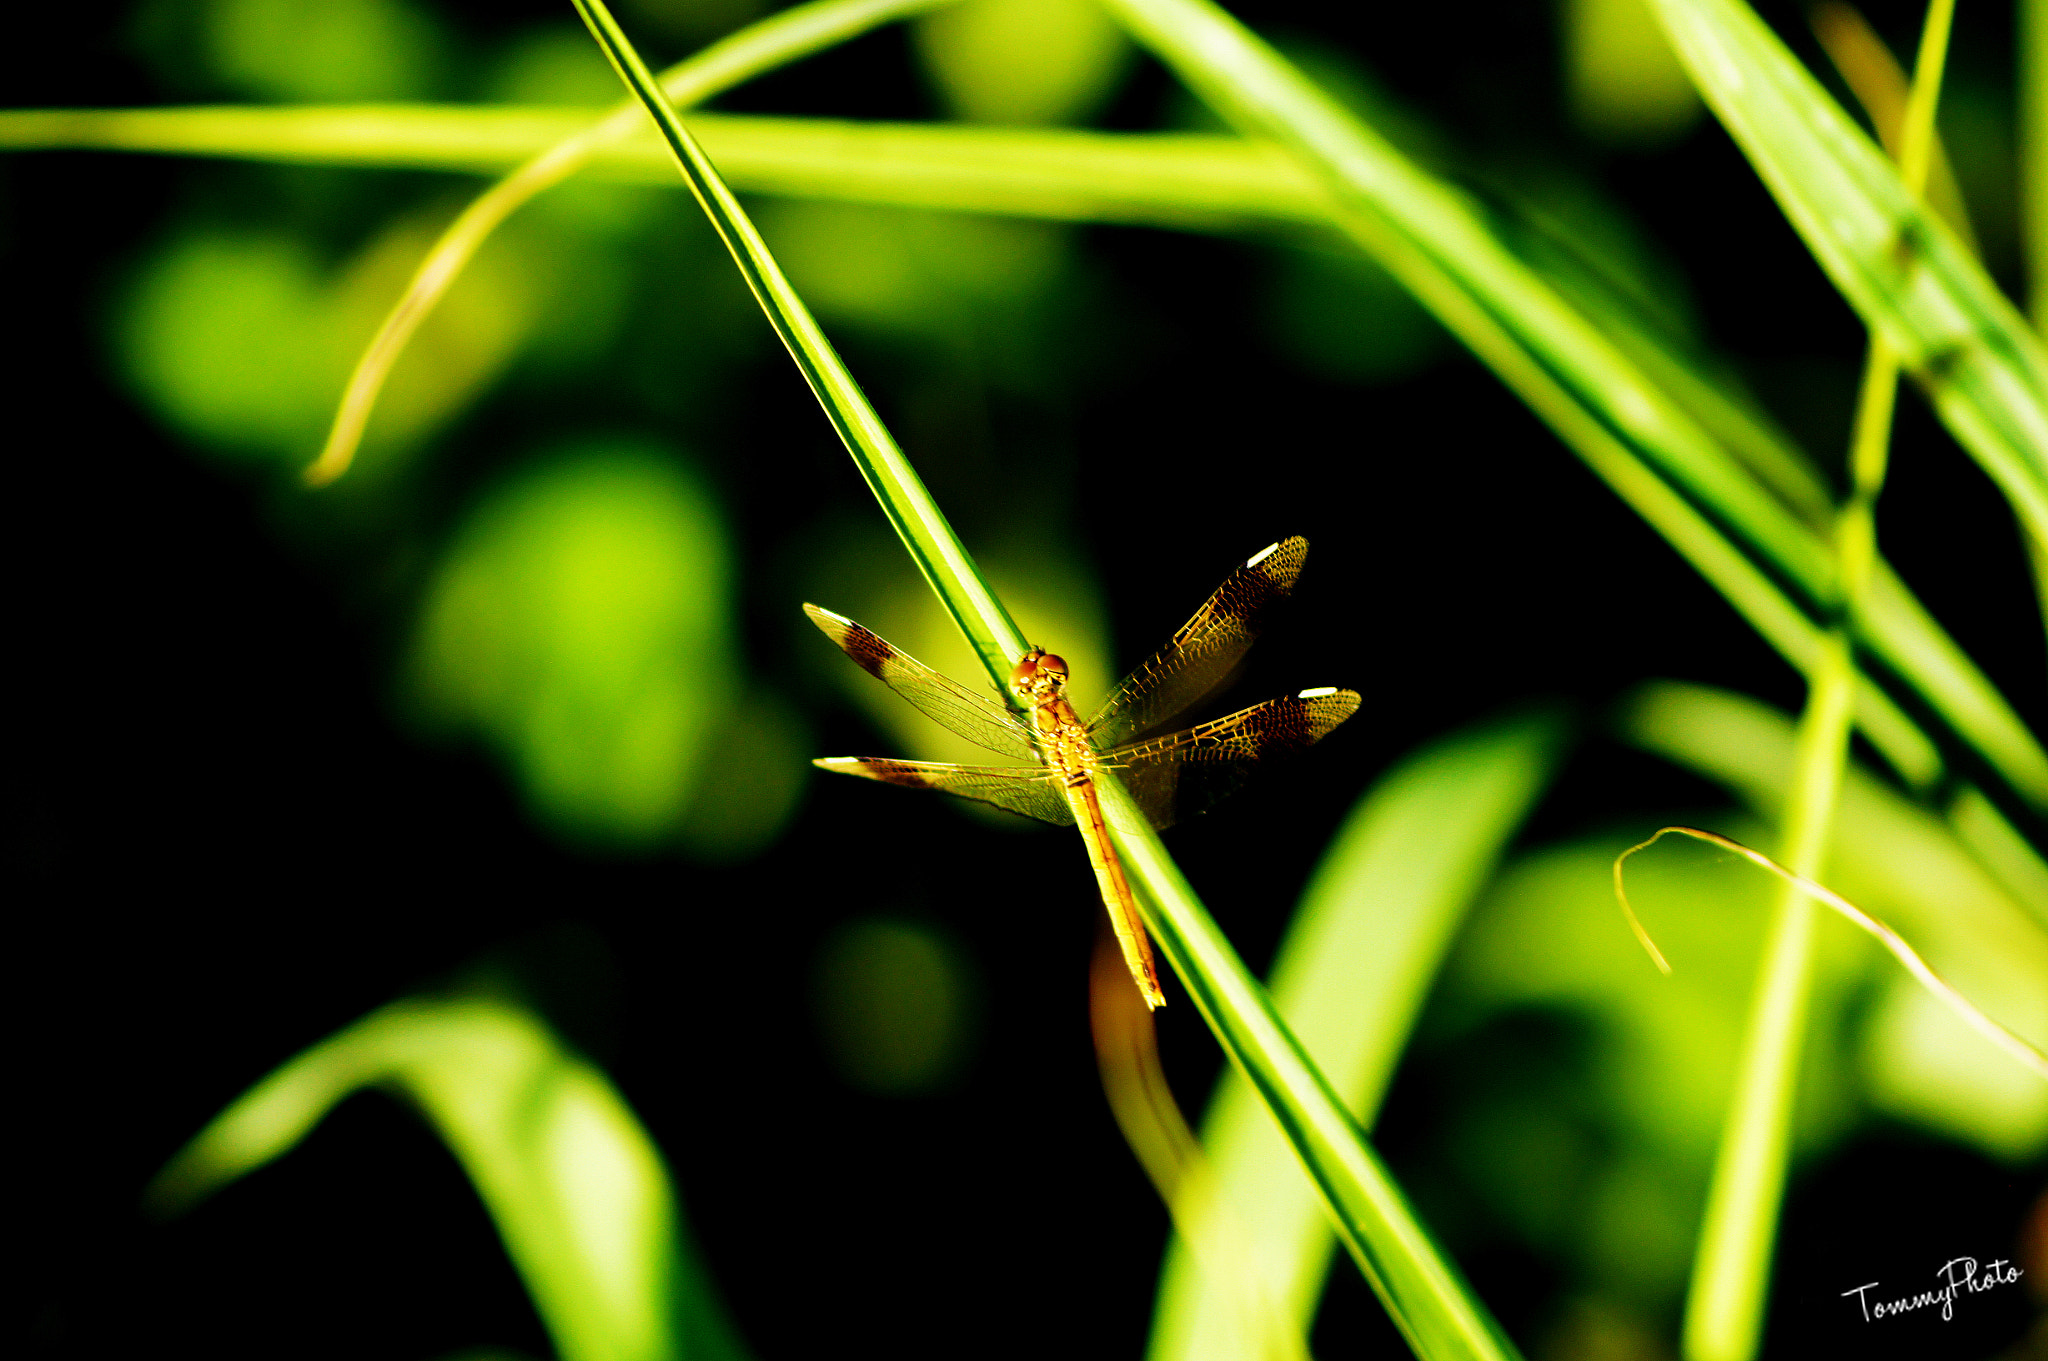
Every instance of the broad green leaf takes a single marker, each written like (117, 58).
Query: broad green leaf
(1897, 264)
(1906, 866)
(577, 1190)
(1350, 976)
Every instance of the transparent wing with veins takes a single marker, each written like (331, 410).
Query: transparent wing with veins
(946, 702)
(1205, 652)
(1175, 777)
(1016, 789)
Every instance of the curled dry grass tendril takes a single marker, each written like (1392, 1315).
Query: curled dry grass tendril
(1890, 939)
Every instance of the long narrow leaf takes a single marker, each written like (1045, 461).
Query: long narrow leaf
(576, 1189)
(1155, 179)
(1420, 1287)
(1731, 1271)
(1350, 976)
(1424, 1295)
(938, 552)
(1216, 182)
(1897, 264)
(794, 33)
(1645, 445)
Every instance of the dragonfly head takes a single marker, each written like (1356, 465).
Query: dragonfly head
(1040, 675)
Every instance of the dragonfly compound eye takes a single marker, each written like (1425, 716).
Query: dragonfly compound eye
(1027, 670)
(1053, 665)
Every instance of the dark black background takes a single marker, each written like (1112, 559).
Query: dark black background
(220, 848)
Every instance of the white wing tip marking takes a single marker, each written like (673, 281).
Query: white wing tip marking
(1268, 551)
(820, 612)
(1318, 693)
(834, 762)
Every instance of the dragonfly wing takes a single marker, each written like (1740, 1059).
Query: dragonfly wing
(1185, 773)
(944, 701)
(1206, 650)
(1031, 791)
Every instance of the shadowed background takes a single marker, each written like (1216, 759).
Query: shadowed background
(528, 699)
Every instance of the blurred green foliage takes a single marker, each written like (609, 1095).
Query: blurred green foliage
(280, 50)
(575, 1187)
(1916, 1060)
(690, 20)
(334, 51)
(554, 64)
(581, 623)
(1593, 1087)
(243, 339)
(1359, 958)
(1340, 315)
(579, 619)
(898, 1004)
(1023, 61)
(974, 290)
(1624, 83)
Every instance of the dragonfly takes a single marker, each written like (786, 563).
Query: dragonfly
(1169, 777)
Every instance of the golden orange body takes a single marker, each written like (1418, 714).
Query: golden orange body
(1040, 681)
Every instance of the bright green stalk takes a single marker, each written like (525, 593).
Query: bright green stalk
(1420, 1287)
(1899, 266)
(935, 549)
(1366, 942)
(2033, 120)
(1162, 179)
(1422, 1290)
(2033, 130)
(1731, 1275)
(1653, 451)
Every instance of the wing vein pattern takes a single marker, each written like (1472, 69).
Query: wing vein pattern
(1205, 652)
(1032, 791)
(943, 700)
(1189, 772)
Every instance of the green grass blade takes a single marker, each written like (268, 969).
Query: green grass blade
(938, 552)
(1899, 266)
(1644, 444)
(1424, 1295)
(576, 1188)
(1197, 180)
(1350, 976)
(1730, 1281)
(1224, 183)
(1429, 1303)
(778, 39)
(2033, 130)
